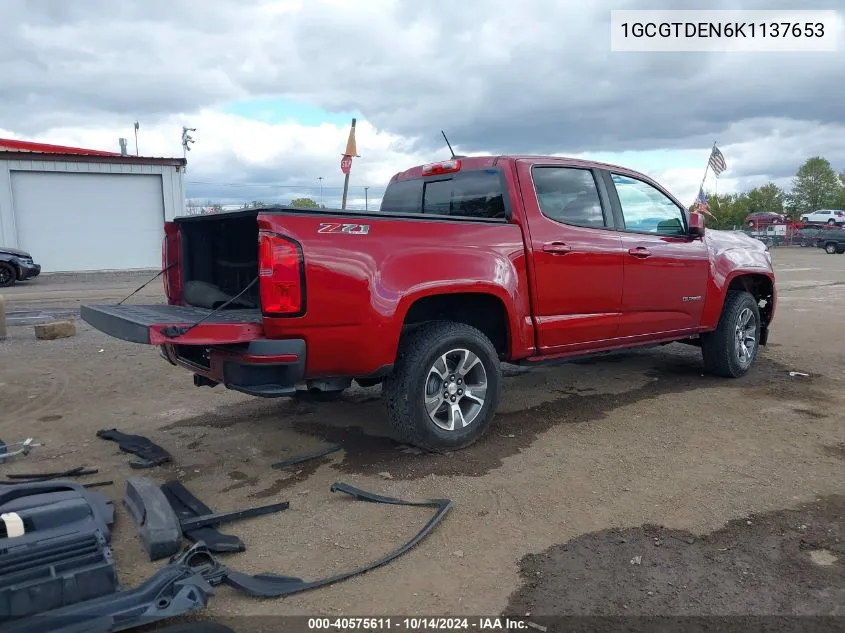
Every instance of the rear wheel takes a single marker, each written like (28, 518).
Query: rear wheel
(445, 386)
(731, 349)
(831, 222)
(830, 249)
(8, 275)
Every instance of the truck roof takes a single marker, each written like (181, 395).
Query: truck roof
(484, 162)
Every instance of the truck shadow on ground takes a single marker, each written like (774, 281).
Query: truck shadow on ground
(359, 425)
(786, 562)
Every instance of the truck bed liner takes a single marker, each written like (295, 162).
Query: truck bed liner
(144, 323)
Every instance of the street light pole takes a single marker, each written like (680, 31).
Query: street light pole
(321, 191)
(366, 199)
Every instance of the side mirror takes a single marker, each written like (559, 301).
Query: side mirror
(696, 225)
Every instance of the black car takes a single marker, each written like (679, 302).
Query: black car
(16, 265)
(832, 242)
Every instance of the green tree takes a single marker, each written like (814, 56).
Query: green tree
(728, 210)
(769, 197)
(840, 197)
(304, 203)
(815, 186)
(256, 204)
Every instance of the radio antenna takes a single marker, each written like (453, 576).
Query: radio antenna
(451, 151)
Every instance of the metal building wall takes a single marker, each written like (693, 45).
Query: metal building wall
(172, 179)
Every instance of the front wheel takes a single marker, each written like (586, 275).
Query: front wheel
(731, 349)
(830, 249)
(445, 386)
(8, 275)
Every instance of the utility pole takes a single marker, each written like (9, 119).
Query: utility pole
(366, 200)
(320, 178)
(346, 161)
(137, 125)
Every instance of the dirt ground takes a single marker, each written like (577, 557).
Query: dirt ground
(586, 465)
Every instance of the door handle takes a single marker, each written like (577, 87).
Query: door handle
(640, 251)
(557, 248)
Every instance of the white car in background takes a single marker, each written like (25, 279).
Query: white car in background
(825, 216)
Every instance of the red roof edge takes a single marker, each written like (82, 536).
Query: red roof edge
(45, 148)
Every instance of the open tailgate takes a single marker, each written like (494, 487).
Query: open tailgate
(160, 324)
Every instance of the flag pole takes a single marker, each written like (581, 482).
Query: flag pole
(706, 168)
(703, 178)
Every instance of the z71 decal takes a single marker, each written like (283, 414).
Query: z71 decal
(349, 229)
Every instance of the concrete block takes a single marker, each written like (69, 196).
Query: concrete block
(54, 330)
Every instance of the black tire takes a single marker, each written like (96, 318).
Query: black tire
(404, 391)
(8, 275)
(831, 222)
(719, 348)
(830, 248)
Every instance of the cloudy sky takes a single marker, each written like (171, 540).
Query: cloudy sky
(271, 86)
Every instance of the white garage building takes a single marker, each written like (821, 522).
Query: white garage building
(84, 210)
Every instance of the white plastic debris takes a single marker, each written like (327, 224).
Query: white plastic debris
(793, 374)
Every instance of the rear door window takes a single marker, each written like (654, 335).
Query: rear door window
(568, 195)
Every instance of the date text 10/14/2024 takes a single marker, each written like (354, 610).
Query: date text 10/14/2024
(420, 623)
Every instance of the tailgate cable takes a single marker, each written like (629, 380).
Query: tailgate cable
(145, 284)
(173, 331)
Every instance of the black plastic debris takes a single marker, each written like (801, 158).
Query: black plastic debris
(159, 526)
(276, 586)
(187, 506)
(55, 549)
(175, 589)
(148, 452)
(79, 471)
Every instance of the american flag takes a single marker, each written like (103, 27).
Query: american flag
(701, 205)
(717, 161)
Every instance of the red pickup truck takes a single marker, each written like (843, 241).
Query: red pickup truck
(469, 262)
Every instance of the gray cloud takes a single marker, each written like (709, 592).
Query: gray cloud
(533, 76)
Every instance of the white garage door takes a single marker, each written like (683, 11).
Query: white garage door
(76, 222)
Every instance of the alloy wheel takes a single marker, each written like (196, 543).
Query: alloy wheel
(456, 389)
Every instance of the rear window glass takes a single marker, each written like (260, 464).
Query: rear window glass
(474, 194)
(404, 196)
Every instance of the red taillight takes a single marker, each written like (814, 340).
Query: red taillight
(171, 262)
(280, 277)
(445, 167)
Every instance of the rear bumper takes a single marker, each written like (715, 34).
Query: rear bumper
(268, 368)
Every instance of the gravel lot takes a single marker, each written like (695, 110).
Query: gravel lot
(634, 447)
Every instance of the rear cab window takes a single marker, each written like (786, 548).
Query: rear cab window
(469, 194)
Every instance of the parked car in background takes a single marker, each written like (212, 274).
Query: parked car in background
(16, 265)
(468, 263)
(762, 219)
(825, 216)
(808, 236)
(832, 241)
